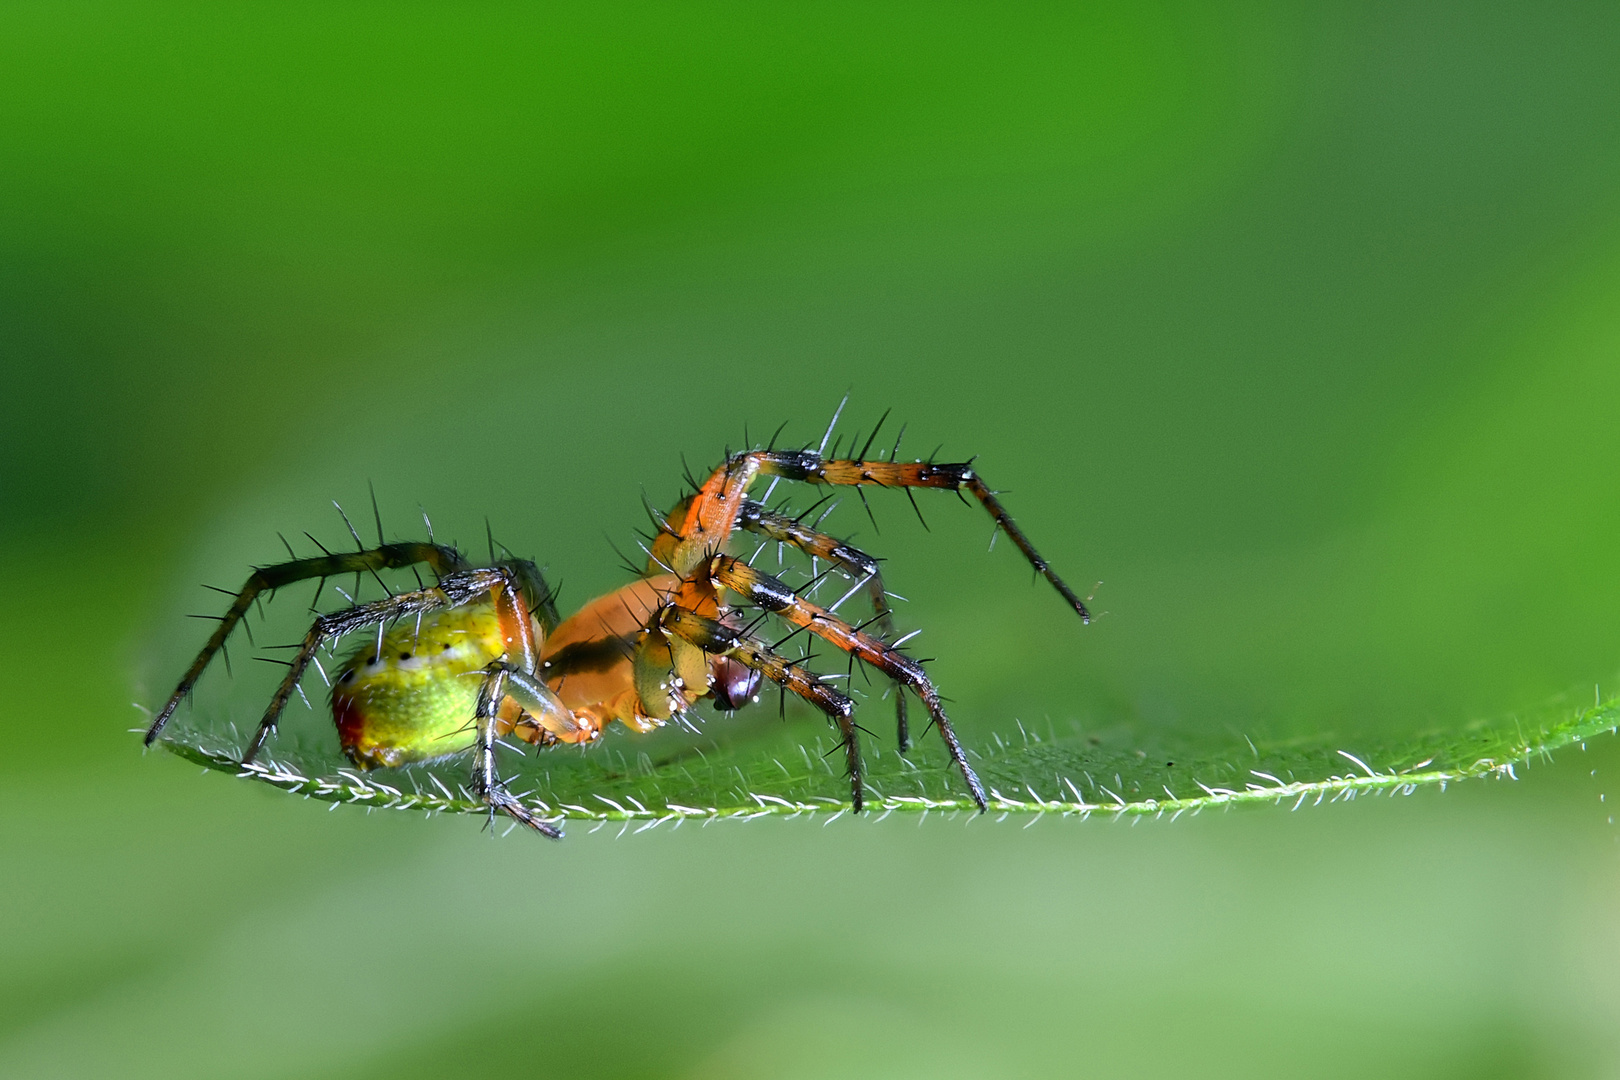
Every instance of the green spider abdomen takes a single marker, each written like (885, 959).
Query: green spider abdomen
(413, 699)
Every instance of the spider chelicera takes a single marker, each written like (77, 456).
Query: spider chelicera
(483, 654)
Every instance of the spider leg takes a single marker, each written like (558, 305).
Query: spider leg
(454, 590)
(486, 781)
(443, 560)
(788, 530)
(775, 596)
(715, 637)
(713, 512)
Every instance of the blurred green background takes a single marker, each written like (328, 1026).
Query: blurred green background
(1295, 325)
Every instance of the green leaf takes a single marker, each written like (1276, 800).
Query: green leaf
(796, 769)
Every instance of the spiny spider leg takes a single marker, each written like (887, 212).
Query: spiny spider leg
(453, 590)
(775, 596)
(779, 527)
(716, 638)
(442, 560)
(486, 780)
(713, 513)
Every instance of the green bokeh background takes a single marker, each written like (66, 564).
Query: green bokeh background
(1296, 325)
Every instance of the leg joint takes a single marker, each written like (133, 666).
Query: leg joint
(760, 588)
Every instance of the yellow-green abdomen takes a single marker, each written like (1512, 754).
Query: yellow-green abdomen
(414, 699)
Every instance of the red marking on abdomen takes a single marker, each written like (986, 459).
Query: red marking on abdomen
(351, 723)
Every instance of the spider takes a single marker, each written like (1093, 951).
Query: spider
(483, 655)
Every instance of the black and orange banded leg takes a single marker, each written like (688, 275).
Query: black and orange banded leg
(957, 478)
(453, 590)
(442, 560)
(775, 596)
(755, 518)
(486, 781)
(716, 638)
(713, 512)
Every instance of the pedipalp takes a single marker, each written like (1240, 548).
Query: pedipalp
(713, 636)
